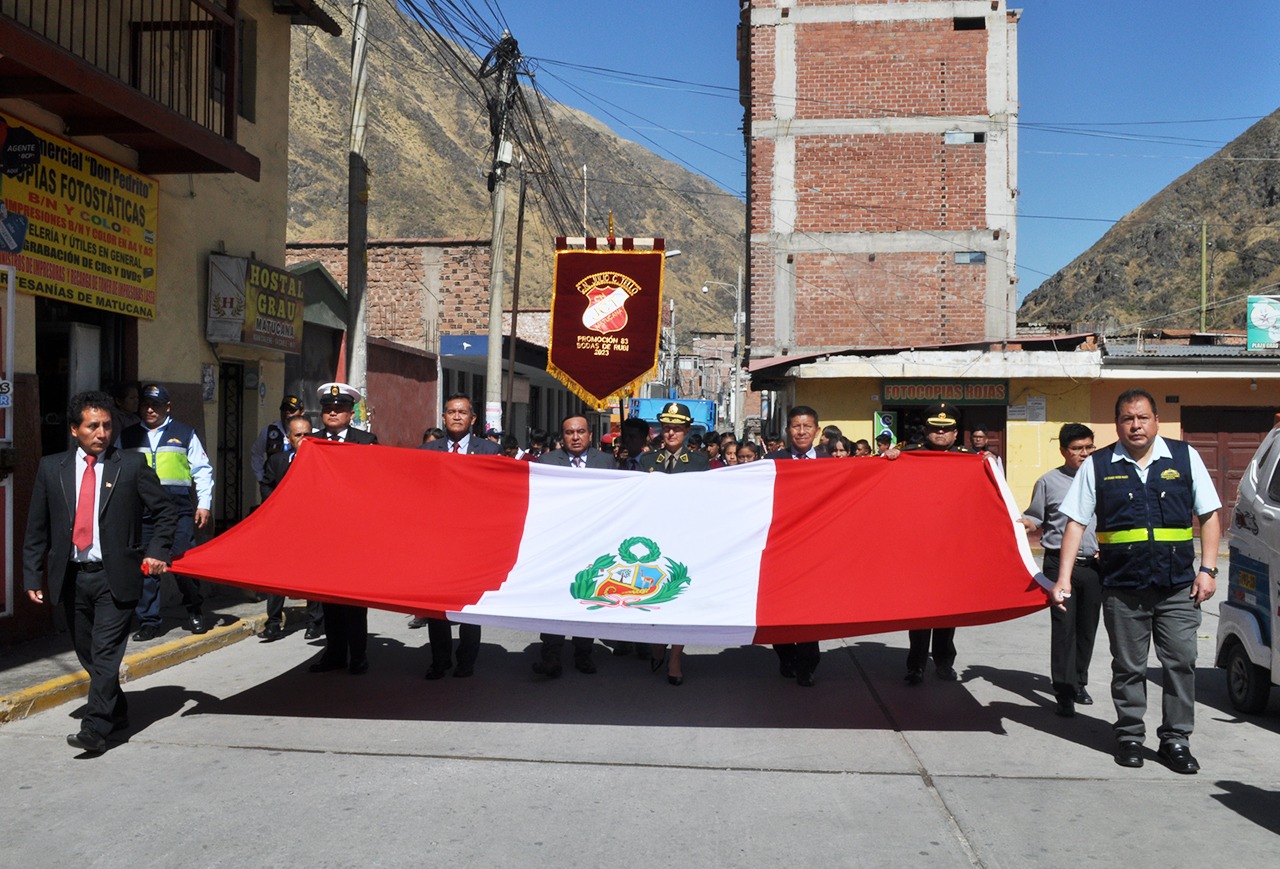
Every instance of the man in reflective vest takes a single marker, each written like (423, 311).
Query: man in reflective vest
(174, 451)
(1144, 491)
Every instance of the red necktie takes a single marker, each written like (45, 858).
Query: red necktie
(455, 446)
(82, 531)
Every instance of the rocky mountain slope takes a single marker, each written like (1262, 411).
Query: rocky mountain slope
(1146, 269)
(428, 149)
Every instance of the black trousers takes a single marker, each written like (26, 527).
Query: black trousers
(99, 632)
(799, 657)
(275, 609)
(1071, 633)
(346, 633)
(553, 647)
(944, 648)
(440, 637)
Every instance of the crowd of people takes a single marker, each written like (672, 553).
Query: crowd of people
(1115, 524)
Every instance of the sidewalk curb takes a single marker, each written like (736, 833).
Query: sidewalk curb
(55, 692)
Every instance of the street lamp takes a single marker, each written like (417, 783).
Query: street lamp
(737, 341)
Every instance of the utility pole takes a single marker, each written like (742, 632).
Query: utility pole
(500, 63)
(1204, 282)
(515, 299)
(358, 215)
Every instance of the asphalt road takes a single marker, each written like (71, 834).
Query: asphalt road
(243, 758)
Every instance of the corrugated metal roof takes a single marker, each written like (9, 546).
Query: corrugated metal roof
(1237, 351)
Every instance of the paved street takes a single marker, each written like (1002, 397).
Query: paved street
(241, 757)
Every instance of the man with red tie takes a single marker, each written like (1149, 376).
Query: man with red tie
(84, 532)
(459, 418)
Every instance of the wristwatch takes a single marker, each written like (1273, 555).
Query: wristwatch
(1212, 571)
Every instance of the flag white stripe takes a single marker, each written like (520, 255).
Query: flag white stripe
(714, 523)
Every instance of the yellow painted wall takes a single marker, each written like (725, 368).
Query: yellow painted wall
(200, 214)
(844, 403)
(1031, 448)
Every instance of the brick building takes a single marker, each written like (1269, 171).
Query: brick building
(428, 316)
(882, 172)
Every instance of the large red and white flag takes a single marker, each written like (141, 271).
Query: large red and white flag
(756, 553)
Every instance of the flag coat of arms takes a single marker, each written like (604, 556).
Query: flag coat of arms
(606, 315)
(800, 551)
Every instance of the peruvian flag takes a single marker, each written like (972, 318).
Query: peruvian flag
(757, 553)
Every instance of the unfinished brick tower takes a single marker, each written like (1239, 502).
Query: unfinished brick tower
(882, 172)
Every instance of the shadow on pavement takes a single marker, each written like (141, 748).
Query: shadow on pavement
(1251, 803)
(737, 687)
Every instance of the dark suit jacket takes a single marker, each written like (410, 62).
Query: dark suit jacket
(354, 436)
(477, 446)
(126, 486)
(595, 459)
(786, 454)
(273, 471)
(685, 461)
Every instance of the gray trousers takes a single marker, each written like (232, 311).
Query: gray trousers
(1133, 618)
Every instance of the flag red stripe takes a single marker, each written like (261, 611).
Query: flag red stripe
(399, 529)
(924, 541)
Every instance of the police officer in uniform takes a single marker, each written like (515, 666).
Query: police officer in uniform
(674, 458)
(346, 627)
(940, 436)
(274, 437)
(174, 452)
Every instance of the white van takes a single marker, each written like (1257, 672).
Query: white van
(1247, 644)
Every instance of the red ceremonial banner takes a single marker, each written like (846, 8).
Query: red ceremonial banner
(606, 316)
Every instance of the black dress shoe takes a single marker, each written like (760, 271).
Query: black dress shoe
(146, 632)
(271, 632)
(359, 668)
(1066, 707)
(787, 671)
(1177, 756)
(196, 624)
(584, 664)
(675, 680)
(434, 673)
(914, 677)
(1082, 697)
(324, 665)
(313, 633)
(87, 740)
(548, 669)
(1129, 753)
(464, 671)
(946, 674)
(803, 679)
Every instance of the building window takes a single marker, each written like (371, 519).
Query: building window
(247, 45)
(970, 257)
(968, 24)
(959, 137)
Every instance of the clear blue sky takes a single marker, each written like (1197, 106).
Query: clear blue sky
(1118, 97)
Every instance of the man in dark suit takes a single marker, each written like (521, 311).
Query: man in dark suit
(799, 660)
(85, 528)
(277, 464)
(459, 418)
(346, 627)
(576, 452)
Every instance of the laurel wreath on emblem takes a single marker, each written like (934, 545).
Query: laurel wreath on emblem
(584, 583)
